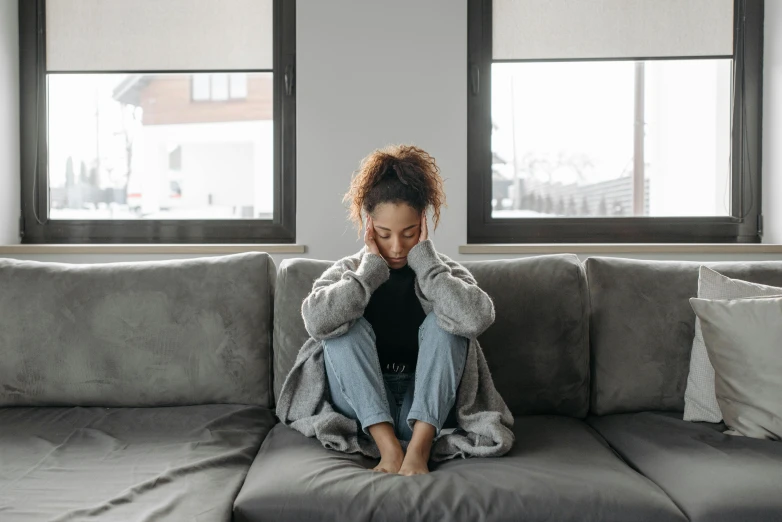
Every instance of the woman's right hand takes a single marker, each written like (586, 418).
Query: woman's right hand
(369, 237)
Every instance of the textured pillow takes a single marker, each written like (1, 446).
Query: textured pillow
(744, 343)
(700, 401)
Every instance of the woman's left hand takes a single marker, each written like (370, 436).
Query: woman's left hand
(424, 231)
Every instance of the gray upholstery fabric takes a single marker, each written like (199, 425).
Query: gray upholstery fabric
(178, 332)
(559, 469)
(538, 346)
(711, 476)
(744, 341)
(642, 328)
(295, 278)
(537, 349)
(139, 464)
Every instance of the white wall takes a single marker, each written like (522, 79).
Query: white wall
(374, 73)
(772, 122)
(9, 123)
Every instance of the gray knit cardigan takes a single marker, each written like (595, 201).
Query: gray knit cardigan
(338, 300)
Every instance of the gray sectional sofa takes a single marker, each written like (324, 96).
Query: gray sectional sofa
(145, 391)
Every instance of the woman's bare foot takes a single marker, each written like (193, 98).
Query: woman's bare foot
(390, 463)
(417, 457)
(391, 454)
(415, 463)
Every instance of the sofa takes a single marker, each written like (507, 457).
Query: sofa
(145, 391)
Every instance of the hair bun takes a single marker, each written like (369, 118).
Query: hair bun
(398, 169)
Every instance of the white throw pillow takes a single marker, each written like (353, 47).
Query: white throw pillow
(743, 340)
(700, 399)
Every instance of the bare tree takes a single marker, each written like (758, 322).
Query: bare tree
(131, 121)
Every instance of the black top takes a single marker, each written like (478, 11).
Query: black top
(395, 314)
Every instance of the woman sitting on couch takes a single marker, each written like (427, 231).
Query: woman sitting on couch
(394, 330)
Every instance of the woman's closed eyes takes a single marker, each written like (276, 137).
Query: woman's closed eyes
(386, 237)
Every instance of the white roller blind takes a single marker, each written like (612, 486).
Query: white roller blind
(151, 35)
(577, 29)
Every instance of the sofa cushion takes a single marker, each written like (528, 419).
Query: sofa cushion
(559, 469)
(167, 463)
(642, 328)
(152, 333)
(744, 342)
(700, 398)
(537, 349)
(711, 476)
(295, 278)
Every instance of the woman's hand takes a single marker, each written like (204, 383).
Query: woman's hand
(369, 237)
(424, 231)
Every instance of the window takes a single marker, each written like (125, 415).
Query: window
(238, 85)
(614, 121)
(128, 139)
(217, 86)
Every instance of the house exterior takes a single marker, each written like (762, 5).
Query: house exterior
(204, 148)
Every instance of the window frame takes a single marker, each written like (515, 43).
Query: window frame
(37, 228)
(746, 154)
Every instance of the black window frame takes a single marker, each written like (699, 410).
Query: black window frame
(37, 228)
(743, 226)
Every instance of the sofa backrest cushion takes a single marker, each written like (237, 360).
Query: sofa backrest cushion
(295, 278)
(136, 334)
(537, 349)
(642, 328)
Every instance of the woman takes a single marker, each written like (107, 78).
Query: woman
(394, 328)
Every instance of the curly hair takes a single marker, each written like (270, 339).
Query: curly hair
(396, 174)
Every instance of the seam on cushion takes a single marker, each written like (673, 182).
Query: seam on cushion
(586, 315)
(630, 465)
(592, 409)
(271, 272)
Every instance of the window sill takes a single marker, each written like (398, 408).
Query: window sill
(151, 249)
(622, 248)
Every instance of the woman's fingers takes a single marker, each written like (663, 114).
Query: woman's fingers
(369, 237)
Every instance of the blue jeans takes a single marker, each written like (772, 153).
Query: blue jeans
(360, 391)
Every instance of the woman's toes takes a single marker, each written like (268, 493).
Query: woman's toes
(414, 465)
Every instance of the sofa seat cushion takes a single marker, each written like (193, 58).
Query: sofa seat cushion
(711, 476)
(141, 464)
(559, 469)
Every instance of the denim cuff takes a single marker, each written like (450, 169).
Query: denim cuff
(376, 419)
(421, 416)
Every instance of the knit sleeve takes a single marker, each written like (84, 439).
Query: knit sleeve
(461, 306)
(341, 294)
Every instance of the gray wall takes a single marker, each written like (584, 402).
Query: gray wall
(374, 73)
(9, 123)
(772, 122)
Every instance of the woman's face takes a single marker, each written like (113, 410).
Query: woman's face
(397, 229)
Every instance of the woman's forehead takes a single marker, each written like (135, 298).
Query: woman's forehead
(395, 216)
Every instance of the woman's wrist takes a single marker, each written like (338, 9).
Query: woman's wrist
(422, 256)
(373, 269)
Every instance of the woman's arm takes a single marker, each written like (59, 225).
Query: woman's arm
(341, 294)
(460, 305)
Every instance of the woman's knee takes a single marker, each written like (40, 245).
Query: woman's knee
(359, 338)
(430, 327)
(359, 332)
